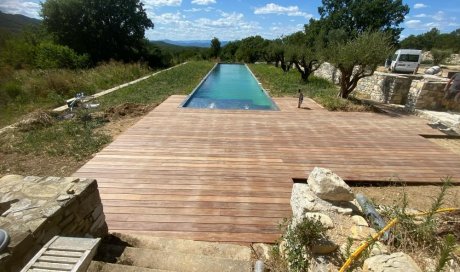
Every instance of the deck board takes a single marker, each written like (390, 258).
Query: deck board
(227, 175)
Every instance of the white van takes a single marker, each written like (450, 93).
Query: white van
(406, 60)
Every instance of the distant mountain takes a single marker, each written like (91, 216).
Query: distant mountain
(193, 43)
(15, 23)
(166, 45)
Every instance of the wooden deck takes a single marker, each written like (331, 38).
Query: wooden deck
(227, 175)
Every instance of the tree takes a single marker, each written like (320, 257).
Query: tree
(359, 58)
(229, 51)
(434, 39)
(215, 47)
(303, 54)
(358, 16)
(275, 52)
(103, 29)
(251, 49)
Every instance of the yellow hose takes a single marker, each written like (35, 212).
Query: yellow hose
(355, 255)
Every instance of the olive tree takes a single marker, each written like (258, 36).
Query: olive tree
(302, 51)
(358, 58)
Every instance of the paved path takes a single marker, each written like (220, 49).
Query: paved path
(227, 175)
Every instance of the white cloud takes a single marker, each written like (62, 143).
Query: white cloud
(272, 8)
(229, 26)
(415, 24)
(167, 18)
(160, 3)
(419, 6)
(27, 8)
(439, 16)
(203, 2)
(431, 25)
(206, 9)
(423, 15)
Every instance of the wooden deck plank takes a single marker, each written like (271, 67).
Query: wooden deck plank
(227, 175)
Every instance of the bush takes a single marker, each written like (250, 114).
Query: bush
(439, 56)
(298, 240)
(51, 56)
(17, 53)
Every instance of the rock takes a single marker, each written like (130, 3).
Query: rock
(283, 249)
(304, 200)
(323, 246)
(396, 262)
(378, 248)
(321, 264)
(263, 251)
(361, 232)
(63, 197)
(323, 218)
(329, 186)
(359, 220)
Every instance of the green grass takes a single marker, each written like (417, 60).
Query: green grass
(80, 137)
(322, 91)
(153, 91)
(75, 138)
(23, 91)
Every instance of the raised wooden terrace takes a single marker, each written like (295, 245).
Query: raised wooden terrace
(220, 175)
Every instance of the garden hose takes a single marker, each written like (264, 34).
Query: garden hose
(355, 255)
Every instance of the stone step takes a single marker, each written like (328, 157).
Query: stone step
(212, 249)
(177, 261)
(110, 267)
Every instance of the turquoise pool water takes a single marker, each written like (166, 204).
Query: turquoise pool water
(230, 86)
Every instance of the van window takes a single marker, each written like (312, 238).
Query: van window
(395, 56)
(408, 58)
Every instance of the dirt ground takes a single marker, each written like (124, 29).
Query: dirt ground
(419, 197)
(119, 119)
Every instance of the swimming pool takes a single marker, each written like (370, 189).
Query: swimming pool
(230, 86)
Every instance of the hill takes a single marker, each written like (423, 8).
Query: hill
(15, 23)
(192, 43)
(171, 46)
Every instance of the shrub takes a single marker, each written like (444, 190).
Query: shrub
(413, 233)
(17, 53)
(439, 56)
(298, 241)
(12, 89)
(50, 55)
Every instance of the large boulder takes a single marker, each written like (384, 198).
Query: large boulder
(304, 200)
(396, 262)
(329, 186)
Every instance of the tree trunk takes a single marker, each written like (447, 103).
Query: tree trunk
(304, 73)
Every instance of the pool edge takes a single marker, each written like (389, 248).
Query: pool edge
(189, 96)
(181, 105)
(263, 89)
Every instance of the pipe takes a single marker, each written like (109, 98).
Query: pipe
(355, 255)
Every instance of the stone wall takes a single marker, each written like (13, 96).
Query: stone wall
(426, 94)
(415, 92)
(384, 87)
(34, 209)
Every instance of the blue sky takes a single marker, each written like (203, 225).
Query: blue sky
(236, 19)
